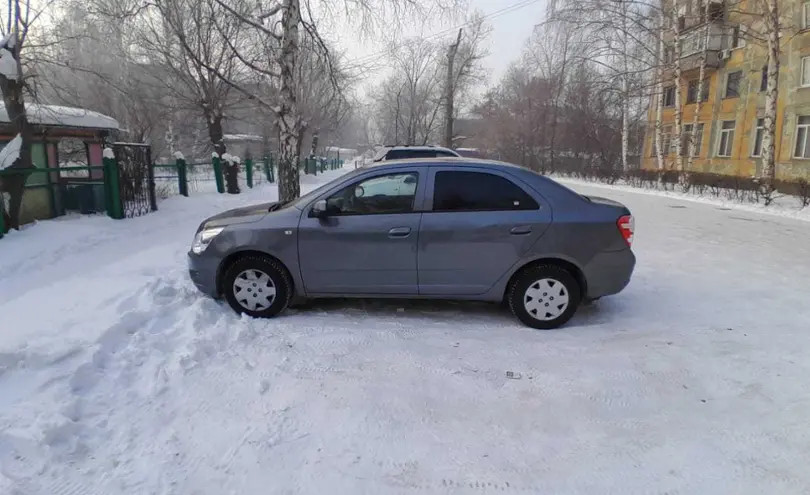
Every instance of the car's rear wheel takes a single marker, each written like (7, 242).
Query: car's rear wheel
(257, 286)
(544, 296)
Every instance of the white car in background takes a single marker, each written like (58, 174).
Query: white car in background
(387, 153)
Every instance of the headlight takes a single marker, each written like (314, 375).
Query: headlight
(204, 238)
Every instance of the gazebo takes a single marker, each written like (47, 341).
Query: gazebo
(64, 137)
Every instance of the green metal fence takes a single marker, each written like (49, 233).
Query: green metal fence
(181, 178)
(53, 192)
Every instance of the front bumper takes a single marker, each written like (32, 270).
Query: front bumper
(203, 273)
(609, 273)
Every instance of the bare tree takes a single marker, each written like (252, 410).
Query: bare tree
(659, 89)
(280, 24)
(193, 40)
(693, 136)
(621, 39)
(466, 71)
(17, 154)
(449, 96)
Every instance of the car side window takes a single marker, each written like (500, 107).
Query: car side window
(478, 191)
(384, 194)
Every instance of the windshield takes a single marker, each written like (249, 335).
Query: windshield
(301, 202)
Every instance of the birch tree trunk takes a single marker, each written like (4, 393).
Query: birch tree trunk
(289, 124)
(693, 138)
(678, 110)
(772, 26)
(625, 90)
(659, 91)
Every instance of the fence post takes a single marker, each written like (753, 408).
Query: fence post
(182, 174)
(249, 172)
(266, 166)
(217, 163)
(112, 187)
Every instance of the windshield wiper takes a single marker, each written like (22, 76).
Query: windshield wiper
(278, 206)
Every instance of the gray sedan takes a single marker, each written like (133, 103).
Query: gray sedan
(436, 228)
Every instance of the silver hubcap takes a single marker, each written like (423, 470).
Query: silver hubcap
(254, 290)
(546, 299)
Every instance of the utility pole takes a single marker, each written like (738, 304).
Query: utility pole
(450, 88)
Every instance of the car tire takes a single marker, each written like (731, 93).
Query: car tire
(544, 297)
(248, 282)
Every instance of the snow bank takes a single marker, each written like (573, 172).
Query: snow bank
(63, 116)
(8, 66)
(784, 206)
(10, 152)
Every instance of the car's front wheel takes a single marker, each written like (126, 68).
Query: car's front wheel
(257, 286)
(544, 296)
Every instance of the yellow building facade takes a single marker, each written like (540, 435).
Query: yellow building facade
(733, 102)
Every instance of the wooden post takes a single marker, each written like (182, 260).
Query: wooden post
(450, 93)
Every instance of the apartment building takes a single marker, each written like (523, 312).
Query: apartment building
(733, 97)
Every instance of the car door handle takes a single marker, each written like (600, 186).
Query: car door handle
(399, 232)
(521, 230)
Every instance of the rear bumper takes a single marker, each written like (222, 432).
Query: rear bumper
(609, 273)
(203, 273)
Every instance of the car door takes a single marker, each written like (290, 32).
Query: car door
(477, 224)
(367, 243)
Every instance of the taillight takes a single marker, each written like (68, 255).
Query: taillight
(627, 226)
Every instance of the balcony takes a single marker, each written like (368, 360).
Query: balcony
(693, 41)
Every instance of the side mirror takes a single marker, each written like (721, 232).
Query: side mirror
(318, 209)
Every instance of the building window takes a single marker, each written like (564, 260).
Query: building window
(666, 139)
(693, 43)
(72, 152)
(726, 138)
(759, 130)
(805, 76)
(733, 84)
(669, 96)
(738, 36)
(669, 55)
(691, 92)
(763, 83)
(806, 15)
(803, 138)
(687, 138)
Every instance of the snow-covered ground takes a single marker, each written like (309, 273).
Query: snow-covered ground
(117, 377)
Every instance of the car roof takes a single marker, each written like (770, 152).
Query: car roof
(418, 147)
(446, 160)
